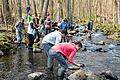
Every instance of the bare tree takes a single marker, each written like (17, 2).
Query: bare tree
(90, 13)
(79, 12)
(19, 9)
(35, 10)
(6, 11)
(51, 8)
(118, 11)
(28, 6)
(1, 16)
(72, 9)
(68, 8)
(41, 7)
(100, 4)
(28, 3)
(45, 8)
(59, 10)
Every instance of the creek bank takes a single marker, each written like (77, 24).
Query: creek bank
(7, 48)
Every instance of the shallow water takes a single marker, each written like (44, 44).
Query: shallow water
(19, 65)
(98, 62)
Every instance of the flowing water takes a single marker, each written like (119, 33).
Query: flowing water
(19, 65)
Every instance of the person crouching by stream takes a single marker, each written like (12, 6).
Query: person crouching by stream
(62, 52)
(31, 33)
(19, 27)
(51, 39)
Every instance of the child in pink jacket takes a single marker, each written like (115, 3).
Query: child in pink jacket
(62, 52)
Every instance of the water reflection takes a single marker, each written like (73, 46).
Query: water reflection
(19, 65)
(31, 61)
(5, 66)
(20, 60)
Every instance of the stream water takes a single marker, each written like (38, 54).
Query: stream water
(19, 65)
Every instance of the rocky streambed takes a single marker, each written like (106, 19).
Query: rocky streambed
(99, 55)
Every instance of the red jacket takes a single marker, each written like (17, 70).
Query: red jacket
(67, 49)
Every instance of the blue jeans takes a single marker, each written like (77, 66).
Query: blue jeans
(19, 39)
(46, 47)
(60, 58)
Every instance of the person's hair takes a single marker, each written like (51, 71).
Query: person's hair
(78, 43)
(64, 32)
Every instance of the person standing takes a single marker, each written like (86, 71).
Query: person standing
(51, 39)
(62, 52)
(63, 25)
(29, 16)
(48, 25)
(19, 28)
(31, 33)
(90, 28)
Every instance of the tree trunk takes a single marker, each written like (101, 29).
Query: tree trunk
(35, 10)
(116, 8)
(1, 16)
(45, 8)
(95, 11)
(100, 13)
(6, 11)
(28, 3)
(72, 10)
(68, 8)
(41, 7)
(79, 14)
(118, 11)
(11, 6)
(28, 6)
(51, 8)
(59, 11)
(19, 9)
(89, 9)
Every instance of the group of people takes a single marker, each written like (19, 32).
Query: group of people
(51, 42)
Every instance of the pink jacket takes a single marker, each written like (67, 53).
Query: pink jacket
(67, 49)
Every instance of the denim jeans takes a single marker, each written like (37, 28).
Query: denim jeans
(59, 57)
(46, 47)
(19, 39)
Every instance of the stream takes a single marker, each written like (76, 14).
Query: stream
(97, 58)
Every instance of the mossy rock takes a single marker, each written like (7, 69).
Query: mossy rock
(3, 39)
(7, 48)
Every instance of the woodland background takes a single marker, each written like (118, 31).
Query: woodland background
(104, 13)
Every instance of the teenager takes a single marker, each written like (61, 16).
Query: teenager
(62, 52)
(51, 39)
(19, 28)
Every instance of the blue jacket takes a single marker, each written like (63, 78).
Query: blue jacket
(63, 26)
